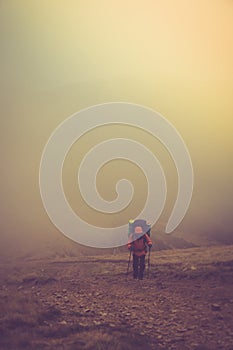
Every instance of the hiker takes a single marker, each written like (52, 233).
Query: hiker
(138, 246)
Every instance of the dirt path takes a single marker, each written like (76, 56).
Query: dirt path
(186, 303)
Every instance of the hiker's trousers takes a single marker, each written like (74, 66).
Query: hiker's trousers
(138, 265)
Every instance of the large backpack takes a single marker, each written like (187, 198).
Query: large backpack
(146, 227)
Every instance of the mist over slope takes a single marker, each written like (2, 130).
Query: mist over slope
(57, 245)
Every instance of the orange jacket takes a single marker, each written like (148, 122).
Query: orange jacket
(139, 245)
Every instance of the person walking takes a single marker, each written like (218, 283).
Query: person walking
(138, 243)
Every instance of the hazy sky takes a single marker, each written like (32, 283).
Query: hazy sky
(60, 56)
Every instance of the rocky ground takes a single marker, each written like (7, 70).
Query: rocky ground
(186, 302)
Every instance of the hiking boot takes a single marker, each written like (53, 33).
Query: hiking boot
(140, 277)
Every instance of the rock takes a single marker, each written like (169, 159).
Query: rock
(150, 326)
(177, 339)
(219, 317)
(182, 330)
(103, 313)
(191, 327)
(58, 295)
(215, 307)
(63, 322)
(174, 311)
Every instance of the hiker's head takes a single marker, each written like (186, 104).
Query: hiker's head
(138, 230)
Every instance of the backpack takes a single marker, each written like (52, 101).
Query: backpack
(146, 226)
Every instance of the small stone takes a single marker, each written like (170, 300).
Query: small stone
(191, 327)
(177, 339)
(215, 307)
(219, 317)
(181, 330)
(174, 311)
(63, 322)
(150, 326)
(103, 313)
(58, 296)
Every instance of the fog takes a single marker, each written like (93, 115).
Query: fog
(57, 58)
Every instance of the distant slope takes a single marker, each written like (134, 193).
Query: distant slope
(168, 241)
(57, 245)
(217, 237)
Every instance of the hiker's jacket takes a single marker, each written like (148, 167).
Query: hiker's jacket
(139, 245)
